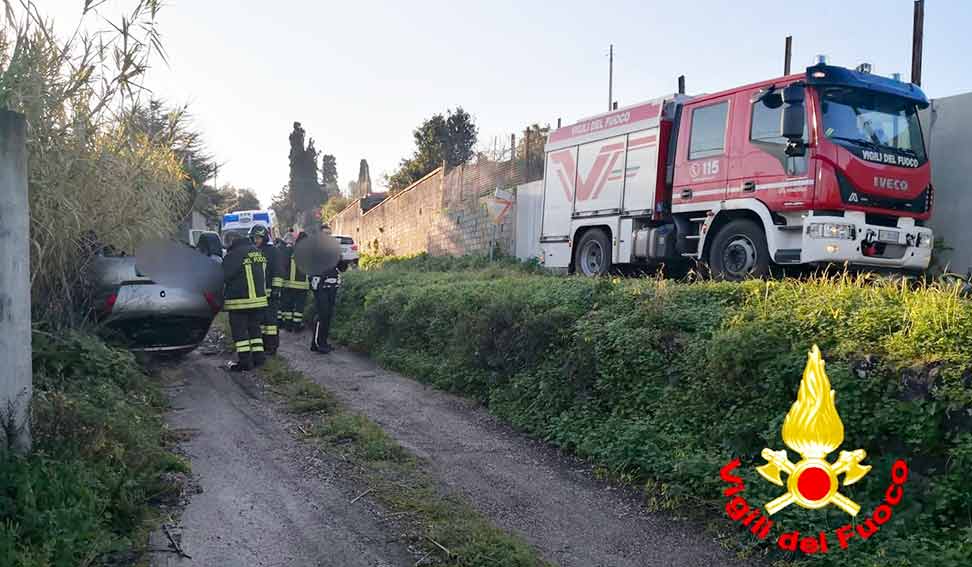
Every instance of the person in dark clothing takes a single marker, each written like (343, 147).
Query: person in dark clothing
(295, 286)
(245, 300)
(325, 286)
(210, 246)
(273, 279)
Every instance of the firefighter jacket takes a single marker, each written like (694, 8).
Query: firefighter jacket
(331, 279)
(293, 278)
(274, 268)
(243, 271)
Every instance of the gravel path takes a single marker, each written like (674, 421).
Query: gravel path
(520, 484)
(267, 500)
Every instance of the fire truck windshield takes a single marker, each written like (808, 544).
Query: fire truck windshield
(872, 120)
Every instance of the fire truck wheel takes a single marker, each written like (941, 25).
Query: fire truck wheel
(739, 251)
(592, 257)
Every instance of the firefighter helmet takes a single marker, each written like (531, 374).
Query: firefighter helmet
(261, 231)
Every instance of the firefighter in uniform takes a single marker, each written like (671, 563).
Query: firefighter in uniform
(324, 286)
(295, 286)
(273, 278)
(245, 300)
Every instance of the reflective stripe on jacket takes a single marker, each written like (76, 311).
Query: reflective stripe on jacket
(243, 275)
(294, 278)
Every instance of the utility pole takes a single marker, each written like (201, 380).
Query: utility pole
(16, 379)
(611, 77)
(788, 54)
(916, 40)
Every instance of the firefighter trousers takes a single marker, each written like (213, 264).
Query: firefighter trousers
(292, 307)
(269, 329)
(247, 337)
(324, 300)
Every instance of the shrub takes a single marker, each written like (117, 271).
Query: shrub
(98, 172)
(98, 458)
(662, 383)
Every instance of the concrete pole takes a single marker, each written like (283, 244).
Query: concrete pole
(16, 387)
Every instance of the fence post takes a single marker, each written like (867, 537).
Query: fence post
(16, 386)
(526, 154)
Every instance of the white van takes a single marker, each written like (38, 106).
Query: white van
(240, 222)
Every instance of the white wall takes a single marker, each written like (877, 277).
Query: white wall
(529, 208)
(947, 125)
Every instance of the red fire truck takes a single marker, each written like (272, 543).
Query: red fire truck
(828, 166)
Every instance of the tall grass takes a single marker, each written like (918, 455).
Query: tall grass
(95, 171)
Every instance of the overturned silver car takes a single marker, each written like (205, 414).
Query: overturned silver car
(149, 316)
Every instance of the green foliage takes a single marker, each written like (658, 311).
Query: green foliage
(662, 383)
(234, 199)
(305, 189)
(92, 159)
(329, 180)
(98, 457)
(334, 205)
(439, 140)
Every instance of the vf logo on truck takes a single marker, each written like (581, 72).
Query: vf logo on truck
(813, 429)
(588, 186)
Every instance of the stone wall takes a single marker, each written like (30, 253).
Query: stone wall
(443, 213)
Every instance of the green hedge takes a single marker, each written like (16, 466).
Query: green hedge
(82, 497)
(663, 383)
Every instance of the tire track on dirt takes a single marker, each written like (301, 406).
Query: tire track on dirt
(266, 500)
(520, 484)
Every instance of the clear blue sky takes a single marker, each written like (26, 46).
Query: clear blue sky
(360, 75)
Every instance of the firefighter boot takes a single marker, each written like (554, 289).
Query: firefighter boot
(244, 362)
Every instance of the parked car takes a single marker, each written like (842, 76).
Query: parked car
(195, 233)
(349, 252)
(148, 316)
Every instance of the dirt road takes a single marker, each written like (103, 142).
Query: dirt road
(267, 500)
(519, 484)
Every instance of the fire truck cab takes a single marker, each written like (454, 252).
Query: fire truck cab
(828, 166)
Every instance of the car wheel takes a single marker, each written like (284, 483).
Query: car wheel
(592, 257)
(739, 252)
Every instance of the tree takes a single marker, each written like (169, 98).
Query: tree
(529, 150)
(234, 199)
(334, 206)
(352, 189)
(363, 187)
(329, 180)
(246, 200)
(447, 140)
(284, 206)
(172, 127)
(305, 190)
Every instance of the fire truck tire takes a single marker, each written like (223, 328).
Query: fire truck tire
(739, 251)
(592, 257)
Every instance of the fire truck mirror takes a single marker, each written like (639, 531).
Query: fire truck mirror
(793, 118)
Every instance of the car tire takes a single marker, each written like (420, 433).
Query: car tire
(739, 252)
(592, 256)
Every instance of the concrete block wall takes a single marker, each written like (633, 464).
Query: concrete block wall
(443, 214)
